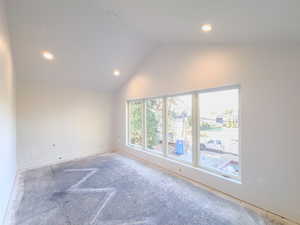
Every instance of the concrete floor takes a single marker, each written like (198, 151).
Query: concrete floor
(114, 190)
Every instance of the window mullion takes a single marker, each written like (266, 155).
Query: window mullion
(220, 128)
(165, 144)
(195, 129)
(128, 124)
(144, 125)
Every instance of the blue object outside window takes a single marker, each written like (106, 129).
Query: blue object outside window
(179, 147)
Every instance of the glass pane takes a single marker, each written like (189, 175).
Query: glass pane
(154, 120)
(179, 127)
(136, 123)
(219, 131)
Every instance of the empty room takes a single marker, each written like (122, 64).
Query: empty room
(161, 112)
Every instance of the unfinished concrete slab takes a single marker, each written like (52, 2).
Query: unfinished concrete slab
(114, 190)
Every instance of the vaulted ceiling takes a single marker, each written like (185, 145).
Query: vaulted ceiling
(91, 38)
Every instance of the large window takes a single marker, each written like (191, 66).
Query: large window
(219, 131)
(199, 128)
(179, 127)
(154, 124)
(136, 123)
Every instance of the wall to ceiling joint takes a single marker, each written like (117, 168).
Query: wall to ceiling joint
(65, 108)
(268, 77)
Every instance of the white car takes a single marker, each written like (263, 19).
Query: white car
(212, 145)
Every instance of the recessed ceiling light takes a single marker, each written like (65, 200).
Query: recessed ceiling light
(117, 73)
(206, 27)
(48, 55)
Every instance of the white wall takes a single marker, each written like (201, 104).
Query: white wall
(7, 116)
(269, 77)
(76, 120)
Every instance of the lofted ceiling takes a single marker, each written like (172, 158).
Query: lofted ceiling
(91, 38)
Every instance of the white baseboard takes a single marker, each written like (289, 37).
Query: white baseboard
(14, 199)
(277, 219)
(17, 190)
(41, 165)
(18, 187)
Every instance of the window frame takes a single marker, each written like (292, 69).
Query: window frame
(140, 147)
(195, 130)
(166, 134)
(145, 126)
(235, 87)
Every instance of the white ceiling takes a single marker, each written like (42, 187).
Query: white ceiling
(90, 38)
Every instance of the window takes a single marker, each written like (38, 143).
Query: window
(219, 131)
(179, 127)
(135, 110)
(200, 128)
(154, 124)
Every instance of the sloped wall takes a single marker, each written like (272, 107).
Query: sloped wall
(269, 80)
(7, 116)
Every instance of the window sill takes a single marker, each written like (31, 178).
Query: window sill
(148, 151)
(236, 180)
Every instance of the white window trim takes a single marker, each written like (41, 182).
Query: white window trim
(145, 123)
(166, 119)
(195, 132)
(165, 135)
(238, 177)
(128, 125)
